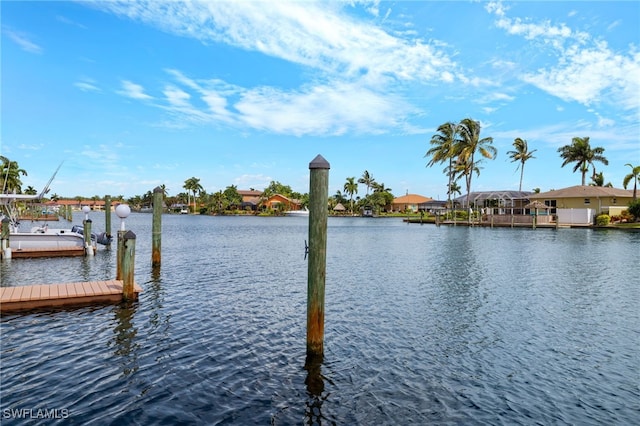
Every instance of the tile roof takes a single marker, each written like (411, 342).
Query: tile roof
(410, 199)
(585, 191)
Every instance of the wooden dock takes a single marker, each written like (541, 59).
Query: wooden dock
(48, 252)
(59, 295)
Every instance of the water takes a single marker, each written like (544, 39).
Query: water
(424, 325)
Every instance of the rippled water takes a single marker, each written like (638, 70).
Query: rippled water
(424, 325)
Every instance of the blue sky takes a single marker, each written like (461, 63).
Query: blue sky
(133, 95)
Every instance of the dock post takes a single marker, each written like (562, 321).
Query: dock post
(128, 263)
(107, 216)
(156, 231)
(122, 211)
(318, 200)
(88, 246)
(6, 250)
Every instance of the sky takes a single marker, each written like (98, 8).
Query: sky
(132, 95)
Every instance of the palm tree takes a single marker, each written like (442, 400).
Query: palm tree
(11, 176)
(521, 154)
(443, 148)
(193, 185)
(470, 144)
(581, 153)
(633, 176)
(367, 180)
(351, 187)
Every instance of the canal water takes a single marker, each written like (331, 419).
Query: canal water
(424, 325)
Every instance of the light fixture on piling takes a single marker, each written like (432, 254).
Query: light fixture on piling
(122, 211)
(86, 210)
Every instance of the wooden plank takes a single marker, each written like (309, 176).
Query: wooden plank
(35, 292)
(53, 291)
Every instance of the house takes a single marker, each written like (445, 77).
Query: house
(281, 203)
(408, 202)
(600, 199)
(498, 202)
(433, 206)
(250, 198)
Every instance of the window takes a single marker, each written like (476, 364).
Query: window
(614, 201)
(587, 201)
(552, 204)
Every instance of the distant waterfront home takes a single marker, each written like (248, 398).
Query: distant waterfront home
(408, 202)
(600, 199)
(433, 206)
(281, 203)
(250, 198)
(497, 202)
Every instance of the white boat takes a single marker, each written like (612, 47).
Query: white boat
(45, 238)
(302, 213)
(42, 237)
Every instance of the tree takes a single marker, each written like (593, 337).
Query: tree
(597, 179)
(367, 180)
(581, 153)
(193, 185)
(31, 190)
(233, 198)
(633, 176)
(351, 188)
(443, 148)
(11, 172)
(471, 144)
(381, 196)
(276, 187)
(521, 154)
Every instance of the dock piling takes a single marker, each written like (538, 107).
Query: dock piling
(318, 200)
(128, 263)
(123, 212)
(4, 245)
(156, 231)
(107, 217)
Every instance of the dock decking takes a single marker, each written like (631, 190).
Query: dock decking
(56, 295)
(48, 252)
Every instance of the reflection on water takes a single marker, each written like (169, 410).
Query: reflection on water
(423, 325)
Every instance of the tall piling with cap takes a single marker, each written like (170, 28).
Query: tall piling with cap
(128, 263)
(122, 211)
(318, 214)
(88, 245)
(156, 231)
(107, 217)
(5, 252)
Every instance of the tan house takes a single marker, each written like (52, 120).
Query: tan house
(600, 199)
(408, 202)
(282, 203)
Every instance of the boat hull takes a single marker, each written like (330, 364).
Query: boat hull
(49, 240)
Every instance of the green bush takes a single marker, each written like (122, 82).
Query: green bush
(603, 220)
(634, 209)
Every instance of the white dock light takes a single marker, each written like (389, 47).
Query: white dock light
(86, 210)
(122, 211)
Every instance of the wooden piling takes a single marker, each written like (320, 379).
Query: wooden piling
(107, 216)
(88, 245)
(128, 263)
(120, 254)
(156, 232)
(318, 201)
(5, 252)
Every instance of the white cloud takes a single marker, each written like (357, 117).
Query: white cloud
(87, 85)
(316, 35)
(134, 91)
(23, 41)
(586, 71)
